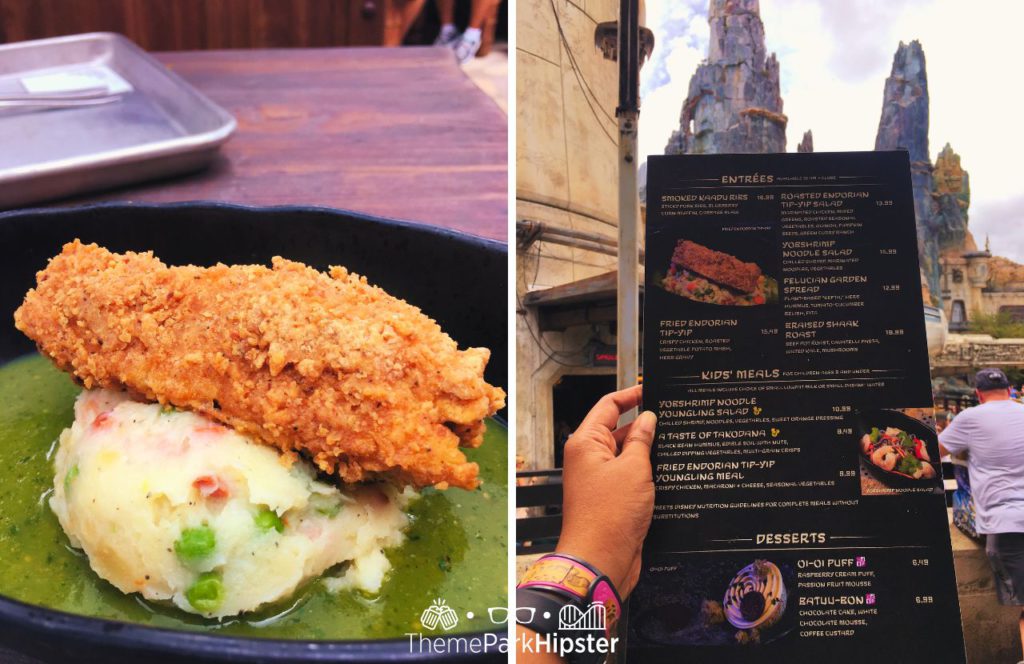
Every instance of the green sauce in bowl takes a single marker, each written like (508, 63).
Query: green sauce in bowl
(455, 550)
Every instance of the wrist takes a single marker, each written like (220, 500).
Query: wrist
(596, 556)
(562, 594)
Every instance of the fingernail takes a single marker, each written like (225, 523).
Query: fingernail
(646, 421)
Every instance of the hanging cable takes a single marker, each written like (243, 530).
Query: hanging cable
(581, 79)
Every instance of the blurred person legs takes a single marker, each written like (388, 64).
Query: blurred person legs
(449, 34)
(468, 43)
(409, 12)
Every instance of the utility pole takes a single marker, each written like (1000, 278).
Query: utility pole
(629, 44)
(628, 112)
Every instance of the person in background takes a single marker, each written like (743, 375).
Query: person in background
(409, 11)
(467, 44)
(992, 433)
(608, 501)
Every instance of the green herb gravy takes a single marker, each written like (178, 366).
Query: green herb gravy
(456, 547)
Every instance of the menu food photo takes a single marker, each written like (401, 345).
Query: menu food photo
(799, 507)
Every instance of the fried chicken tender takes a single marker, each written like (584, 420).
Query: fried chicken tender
(363, 383)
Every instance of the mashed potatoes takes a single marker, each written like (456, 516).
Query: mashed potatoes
(175, 507)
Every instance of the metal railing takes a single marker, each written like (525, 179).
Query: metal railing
(539, 493)
(954, 403)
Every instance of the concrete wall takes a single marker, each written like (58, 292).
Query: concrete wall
(992, 301)
(974, 287)
(566, 176)
(566, 133)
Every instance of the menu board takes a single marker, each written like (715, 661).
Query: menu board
(799, 506)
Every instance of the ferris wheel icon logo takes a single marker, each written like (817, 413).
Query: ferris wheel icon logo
(439, 614)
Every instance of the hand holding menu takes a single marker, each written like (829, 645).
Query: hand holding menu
(799, 507)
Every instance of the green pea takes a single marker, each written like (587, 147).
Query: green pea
(70, 477)
(266, 519)
(195, 544)
(207, 593)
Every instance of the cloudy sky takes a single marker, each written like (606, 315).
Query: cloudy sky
(835, 56)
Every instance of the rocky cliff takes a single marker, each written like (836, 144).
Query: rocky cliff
(806, 143)
(733, 102)
(942, 193)
(951, 196)
(904, 126)
(1006, 275)
(904, 121)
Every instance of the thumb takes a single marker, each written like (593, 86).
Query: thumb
(641, 435)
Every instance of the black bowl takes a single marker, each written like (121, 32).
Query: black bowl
(457, 279)
(891, 418)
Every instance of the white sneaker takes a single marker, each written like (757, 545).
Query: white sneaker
(466, 48)
(448, 36)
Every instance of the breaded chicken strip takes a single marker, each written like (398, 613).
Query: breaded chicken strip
(362, 382)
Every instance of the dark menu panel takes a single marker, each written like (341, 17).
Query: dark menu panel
(799, 503)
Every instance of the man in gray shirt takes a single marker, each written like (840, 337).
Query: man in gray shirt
(992, 433)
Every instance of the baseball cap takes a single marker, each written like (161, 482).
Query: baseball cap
(990, 379)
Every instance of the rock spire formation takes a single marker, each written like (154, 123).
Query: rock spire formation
(904, 126)
(952, 198)
(733, 103)
(904, 121)
(806, 143)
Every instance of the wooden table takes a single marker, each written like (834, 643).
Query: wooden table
(398, 132)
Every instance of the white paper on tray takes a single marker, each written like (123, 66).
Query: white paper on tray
(86, 77)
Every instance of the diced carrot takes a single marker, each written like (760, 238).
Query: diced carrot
(210, 486)
(103, 420)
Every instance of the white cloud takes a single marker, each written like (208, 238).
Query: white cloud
(835, 56)
(818, 91)
(1003, 224)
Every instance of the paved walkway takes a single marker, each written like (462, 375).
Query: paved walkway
(490, 74)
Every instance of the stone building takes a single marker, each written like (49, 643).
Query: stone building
(964, 278)
(566, 202)
(972, 280)
(976, 282)
(567, 199)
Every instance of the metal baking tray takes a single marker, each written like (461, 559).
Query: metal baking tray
(159, 126)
